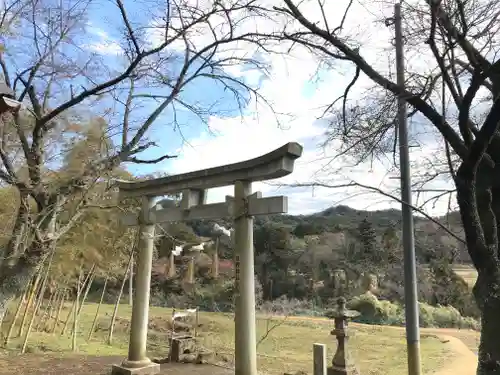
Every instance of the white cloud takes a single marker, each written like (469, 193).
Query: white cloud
(102, 43)
(237, 139)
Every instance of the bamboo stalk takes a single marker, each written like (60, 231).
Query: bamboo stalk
(76, 313)
(70, 311)
(16, 315)
(54, 305)
(59, 309)
(91, 332)
(46, 311)
(87, 288)
(39, 301)
(31, 297)
(115, 311)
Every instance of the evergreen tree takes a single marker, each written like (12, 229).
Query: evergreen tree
(370, 254)
(390, 244)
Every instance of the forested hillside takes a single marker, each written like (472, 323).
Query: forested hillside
(311, 258)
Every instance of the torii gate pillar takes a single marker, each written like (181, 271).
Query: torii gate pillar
(137, 361)
(246, 342)
(241, 208)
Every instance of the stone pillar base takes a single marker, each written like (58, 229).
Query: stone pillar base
(342, 370)
(126, 368)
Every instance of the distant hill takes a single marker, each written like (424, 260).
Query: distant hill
(430, 238)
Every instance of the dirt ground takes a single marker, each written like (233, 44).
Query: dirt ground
(466, 362)
(30, 364)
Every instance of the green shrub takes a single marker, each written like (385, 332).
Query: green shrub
(374, 311)
(444, 317)
(451, 290)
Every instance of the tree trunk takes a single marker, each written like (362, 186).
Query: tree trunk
(13, 248)
(22, 262)
(29, 302)
(489, 349)
(115, 311)
(91, 332)
(479, 211)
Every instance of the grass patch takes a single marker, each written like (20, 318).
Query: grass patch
(288, 346)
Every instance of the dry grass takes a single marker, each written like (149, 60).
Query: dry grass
(468, 273)
(288, 346)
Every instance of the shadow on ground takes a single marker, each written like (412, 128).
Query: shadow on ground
(34, 364)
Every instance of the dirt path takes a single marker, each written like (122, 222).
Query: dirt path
(465, 362)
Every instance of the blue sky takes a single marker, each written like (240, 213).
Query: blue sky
(293, 86)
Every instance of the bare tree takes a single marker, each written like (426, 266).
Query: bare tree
(453, 86)
(61, 80)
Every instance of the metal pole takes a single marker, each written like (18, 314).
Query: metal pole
(410, 274)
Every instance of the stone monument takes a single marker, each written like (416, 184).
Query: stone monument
(342, 363)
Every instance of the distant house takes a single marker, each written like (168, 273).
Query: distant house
(226, 264)
(226, 267)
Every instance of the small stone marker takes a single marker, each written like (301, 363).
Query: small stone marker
(342, 363)
(319, 359)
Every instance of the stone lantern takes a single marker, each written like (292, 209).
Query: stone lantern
(342, 362)
(7, 102)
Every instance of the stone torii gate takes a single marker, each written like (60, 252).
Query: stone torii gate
(242, 207)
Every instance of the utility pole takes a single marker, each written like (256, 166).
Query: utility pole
(410, 274)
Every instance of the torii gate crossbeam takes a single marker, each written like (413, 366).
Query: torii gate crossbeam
(241, 208)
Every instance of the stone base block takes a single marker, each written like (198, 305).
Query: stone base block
(180, 347)
(205, 357)
(342, 370)
(148, 369)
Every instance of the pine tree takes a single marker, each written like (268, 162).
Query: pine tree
(390, 244)
(370, 253)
